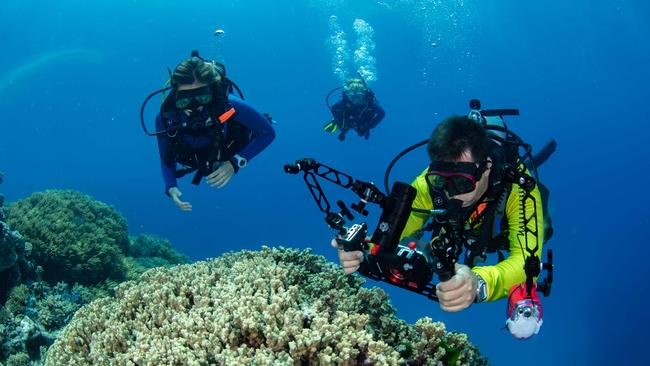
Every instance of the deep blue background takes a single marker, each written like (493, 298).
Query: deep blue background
(75, 72)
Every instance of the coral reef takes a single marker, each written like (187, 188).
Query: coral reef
(75, 238)
(32, 317)
(149, 251)
(144, 245)
(15, 265)
(2, 197)
(274, 306)
(70, 224)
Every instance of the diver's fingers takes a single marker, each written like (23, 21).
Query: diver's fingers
(224, 181)
(458, 294)
(221, 179)
(334, 244)
(225, 171)
(456, 304)
(454, 308)
(451, 300)
(453, 283)
(185, 206)
(177, 200)
(354, 259)
(443, 296)
(349, 261)
(348, 270)
(350, 266)
(356, 255)
(213, 177)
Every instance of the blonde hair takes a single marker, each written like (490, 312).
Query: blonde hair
(195, 69)
(354, 85)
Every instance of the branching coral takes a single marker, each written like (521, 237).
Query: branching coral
(272, 307)
(75, 238)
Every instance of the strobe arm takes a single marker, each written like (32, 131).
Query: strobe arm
(367, 192)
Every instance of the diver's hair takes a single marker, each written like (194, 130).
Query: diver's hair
(354, 84)
(455, 135)
(195, 69)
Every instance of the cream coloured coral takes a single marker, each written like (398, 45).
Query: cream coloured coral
(272, 307)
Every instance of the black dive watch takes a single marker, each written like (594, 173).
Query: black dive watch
(238, 162)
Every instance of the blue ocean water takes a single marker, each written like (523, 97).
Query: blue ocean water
(75, 72)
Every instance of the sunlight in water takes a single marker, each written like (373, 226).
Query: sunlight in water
(32, 66)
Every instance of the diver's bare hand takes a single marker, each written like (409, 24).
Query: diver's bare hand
(350, 261)
(458, 292)
(176, 194)
(222, 175)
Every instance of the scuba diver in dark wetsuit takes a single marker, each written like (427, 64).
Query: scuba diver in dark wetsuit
(358, 109)
(204, 129)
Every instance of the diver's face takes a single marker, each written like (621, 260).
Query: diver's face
(472, 197)
(356, 96)
(191, 87)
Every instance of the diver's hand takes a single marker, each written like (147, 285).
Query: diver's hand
(350, 261)
(458, 292)
(176, 194)
(222, 175)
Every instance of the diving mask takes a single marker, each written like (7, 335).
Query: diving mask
(454, 178)
(193, 98)
(356, 96)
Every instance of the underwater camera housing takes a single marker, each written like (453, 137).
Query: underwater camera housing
(407, 264)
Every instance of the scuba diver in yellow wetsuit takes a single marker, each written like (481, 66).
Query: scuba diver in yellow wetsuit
(491, 204)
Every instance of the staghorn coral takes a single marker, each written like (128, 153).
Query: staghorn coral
(75, 238)
(272, 307)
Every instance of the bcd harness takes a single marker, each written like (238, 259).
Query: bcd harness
(485, 228)
(227, 135)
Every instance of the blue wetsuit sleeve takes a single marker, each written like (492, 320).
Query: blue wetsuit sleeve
(168, 171)
(379, 114)
(262, 130)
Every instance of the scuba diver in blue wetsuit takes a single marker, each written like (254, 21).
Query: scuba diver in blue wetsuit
(202, 128)
(358, 109)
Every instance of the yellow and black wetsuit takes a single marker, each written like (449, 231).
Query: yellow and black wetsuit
(502, 276)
